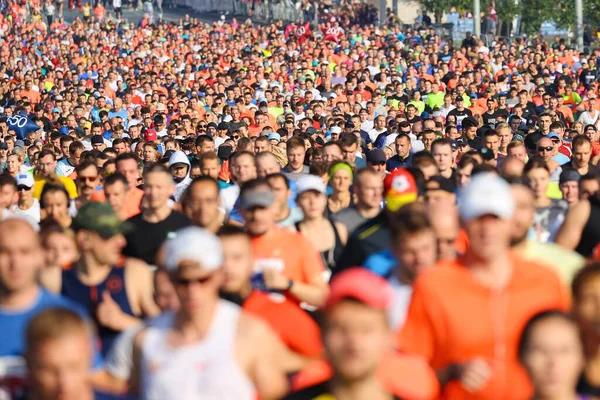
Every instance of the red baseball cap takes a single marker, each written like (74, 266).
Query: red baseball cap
(150, 135)
(400, 189)
(362, 285)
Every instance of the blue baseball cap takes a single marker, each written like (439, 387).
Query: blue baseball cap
(553, 135)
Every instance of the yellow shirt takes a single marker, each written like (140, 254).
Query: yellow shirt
(66, 181)
(564, 262)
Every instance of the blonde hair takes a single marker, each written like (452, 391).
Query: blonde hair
(54, 323)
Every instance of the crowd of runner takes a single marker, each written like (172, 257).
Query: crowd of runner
(236, 211)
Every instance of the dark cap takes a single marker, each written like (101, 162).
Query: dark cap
(3, 146)
(224, 152)
(311, 130)
(454, 145)
(101, 219)
(440, 183)
(569, 175)
(97, 139)
(223, 126)
(461, 142)
(532, 139)
(486, 153)
(376, 156)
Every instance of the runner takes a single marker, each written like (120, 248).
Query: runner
(284, 262)
(362, 368)
(58, 346)
(228, 343)
(116, 292)
(21, 299)
(486, 210)
(157, 221)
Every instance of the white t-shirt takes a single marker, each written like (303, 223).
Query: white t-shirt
(33, 211)
(229, 196)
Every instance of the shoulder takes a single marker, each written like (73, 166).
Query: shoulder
(442, 274)
(137, 267)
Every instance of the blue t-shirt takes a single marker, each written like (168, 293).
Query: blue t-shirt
(12, 337)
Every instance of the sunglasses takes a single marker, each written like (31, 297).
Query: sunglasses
(188, 282)
(23, 187)
(87, 178)
(547, 148)
(202, 126)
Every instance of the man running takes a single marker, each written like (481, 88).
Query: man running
(210, 349)
(116, 292)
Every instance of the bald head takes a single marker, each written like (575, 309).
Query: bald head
(512, 167)
(20, 257)
(445, 223)
(266, 164)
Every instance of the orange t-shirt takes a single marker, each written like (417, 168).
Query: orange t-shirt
(453, 318)
(296, 329)
(132, 204)
(290, 251)
(405, 376)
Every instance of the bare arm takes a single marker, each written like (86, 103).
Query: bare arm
(314, 293)
(142, 278)
(570, 231)
(134, 378)
(267, 367)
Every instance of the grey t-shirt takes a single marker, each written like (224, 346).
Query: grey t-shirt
(350, 217)
(295, 175)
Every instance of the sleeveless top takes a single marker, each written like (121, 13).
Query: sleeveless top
(332, 255)
(204, 370)
(590, 236)
(90, 296)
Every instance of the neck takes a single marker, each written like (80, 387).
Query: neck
(340, 196)
(366, 388)
(90, 270)
(494, 273)
(283, 213)
(195, 325)
(214, 225)
(299, 169)
(19, 299)
(154, 215)
(25, 204)
(367, 211)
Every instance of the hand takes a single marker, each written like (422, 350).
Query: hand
(275, 280)
(474, 374)
(109, 313)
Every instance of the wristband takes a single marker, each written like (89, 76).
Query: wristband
(290, 285)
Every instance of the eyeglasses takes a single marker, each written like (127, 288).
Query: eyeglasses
(87, 178)
(23, 187)
(546, 148)
(202, 126)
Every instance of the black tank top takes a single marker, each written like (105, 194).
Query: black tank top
(330, 256)
(590, 237)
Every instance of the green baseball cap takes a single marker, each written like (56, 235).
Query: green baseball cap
(100, 218)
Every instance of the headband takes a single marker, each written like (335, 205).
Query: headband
(339, 166)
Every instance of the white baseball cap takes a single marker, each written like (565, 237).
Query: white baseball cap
(25, 180)
(194, 244)
(310, 182)
(487, 193)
